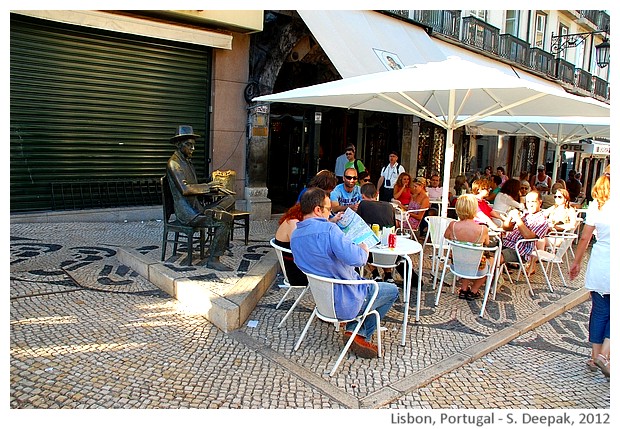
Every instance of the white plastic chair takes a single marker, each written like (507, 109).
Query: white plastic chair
(465, 262)
(402, 216)
(555, 256)
(322, 289)
(437, 226)
(304, 288)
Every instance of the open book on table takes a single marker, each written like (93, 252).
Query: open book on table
(356, 229)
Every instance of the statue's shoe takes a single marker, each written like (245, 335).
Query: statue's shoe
(217, 265)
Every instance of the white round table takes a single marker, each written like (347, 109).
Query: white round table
(404, 248)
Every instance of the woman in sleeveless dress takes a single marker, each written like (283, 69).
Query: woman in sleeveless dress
(467, 230)
(288, 224)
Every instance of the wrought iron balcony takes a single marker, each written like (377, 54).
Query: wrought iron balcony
(446, 22)
(514, 49)
(565, 71)
(600, 88)
(542, 61)
(480, 34)
(583, 80)
(599, 18)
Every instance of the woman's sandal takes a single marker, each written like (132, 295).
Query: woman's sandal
(602, 362)
(591, 365)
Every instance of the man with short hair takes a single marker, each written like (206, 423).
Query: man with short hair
(185, 191)
(388, 177)
(352, 161)
(321, 248)
(346, 194)
(541, 181)
(533, 224)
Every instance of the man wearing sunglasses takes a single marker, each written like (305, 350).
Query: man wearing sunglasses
(352, 161)
(346, 194)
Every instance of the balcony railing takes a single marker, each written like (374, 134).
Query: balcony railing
(481, 35)
(583, 80)
(514, 49)
(542, 61)
(597, 17)
(446, 22)
(600, 88)
(565, 71)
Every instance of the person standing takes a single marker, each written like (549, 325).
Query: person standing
(339, 168)
(346, 194)
(573, 186)
(388, 177)
(352, 161)
(321, 248)
(186, 190)
(598, 218)
(541, 181)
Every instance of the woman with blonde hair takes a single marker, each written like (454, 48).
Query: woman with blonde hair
(466, 229)
(561, 216)
(598, 217)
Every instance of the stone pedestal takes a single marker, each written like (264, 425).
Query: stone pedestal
(257, 203)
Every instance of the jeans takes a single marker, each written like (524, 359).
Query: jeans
(599, 318)
(388, 293)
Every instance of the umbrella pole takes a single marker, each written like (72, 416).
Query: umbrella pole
(447, 166)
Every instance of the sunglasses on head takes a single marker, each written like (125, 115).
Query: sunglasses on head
(350, 177)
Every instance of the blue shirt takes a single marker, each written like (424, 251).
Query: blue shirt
(321, 248)
(340, 162)
(345, 198)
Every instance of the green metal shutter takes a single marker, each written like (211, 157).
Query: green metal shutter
(98, 106)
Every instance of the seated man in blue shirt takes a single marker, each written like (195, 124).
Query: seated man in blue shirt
(320, 247)
(346, 194)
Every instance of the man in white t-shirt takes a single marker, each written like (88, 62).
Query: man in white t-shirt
(388, 177)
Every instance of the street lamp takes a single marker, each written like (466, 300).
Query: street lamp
(564, 41)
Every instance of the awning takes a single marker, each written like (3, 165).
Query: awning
(361, 41)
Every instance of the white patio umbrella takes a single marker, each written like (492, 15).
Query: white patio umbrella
(556, 130)
(440, 92)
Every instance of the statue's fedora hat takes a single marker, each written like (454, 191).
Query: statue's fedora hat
(184, 132)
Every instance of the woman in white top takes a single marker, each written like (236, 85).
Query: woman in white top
(508, 197)
(599, 217)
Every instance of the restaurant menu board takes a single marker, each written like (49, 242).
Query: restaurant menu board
(356, 229)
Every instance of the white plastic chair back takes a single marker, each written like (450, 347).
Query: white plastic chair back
(279, 250)
(437, 226)
(323, 293)
(466, 260)
(287, 284)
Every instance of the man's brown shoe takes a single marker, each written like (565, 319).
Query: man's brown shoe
(363, 348)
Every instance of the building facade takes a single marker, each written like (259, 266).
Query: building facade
(96, 95)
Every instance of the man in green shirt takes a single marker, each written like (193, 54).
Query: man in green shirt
(352, 161)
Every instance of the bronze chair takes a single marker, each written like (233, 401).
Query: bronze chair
(241, 219)
(182, 232)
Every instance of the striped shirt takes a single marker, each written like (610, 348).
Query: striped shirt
(537, 223)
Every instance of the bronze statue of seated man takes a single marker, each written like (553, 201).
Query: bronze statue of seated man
(186, 192)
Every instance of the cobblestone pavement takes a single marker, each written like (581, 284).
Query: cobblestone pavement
(88, 332)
